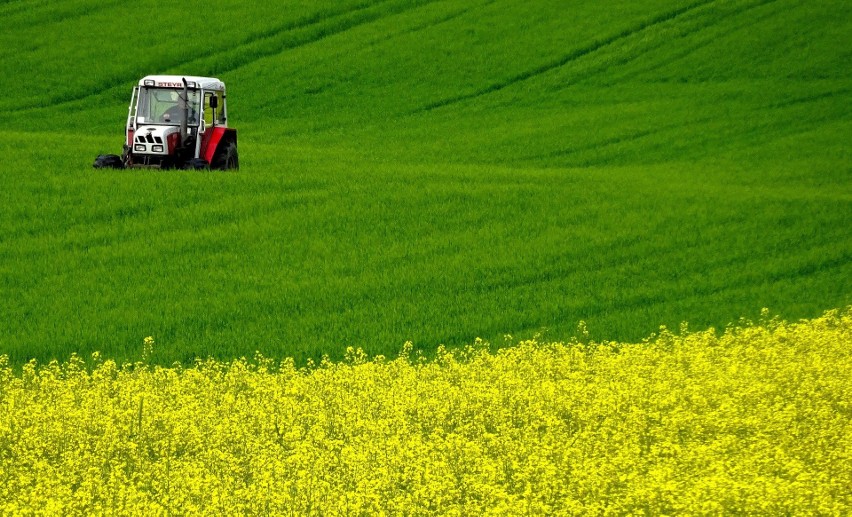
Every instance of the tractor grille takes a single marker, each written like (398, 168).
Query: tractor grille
(149, 139)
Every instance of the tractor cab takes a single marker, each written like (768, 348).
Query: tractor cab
(177, 122)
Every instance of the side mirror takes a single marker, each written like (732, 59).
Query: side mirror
(214, 102)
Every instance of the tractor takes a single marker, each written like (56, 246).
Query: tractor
(177, 122)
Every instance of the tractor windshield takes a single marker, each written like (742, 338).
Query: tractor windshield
(165, 106)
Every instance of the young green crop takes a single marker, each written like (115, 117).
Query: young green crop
(425, 171)
(308, 257)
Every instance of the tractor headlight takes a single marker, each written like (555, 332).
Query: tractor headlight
(139, 147)
(157, 148)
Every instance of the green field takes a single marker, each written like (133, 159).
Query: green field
(432, 171)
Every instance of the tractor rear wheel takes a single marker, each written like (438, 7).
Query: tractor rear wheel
(226, 157)
(108, 161)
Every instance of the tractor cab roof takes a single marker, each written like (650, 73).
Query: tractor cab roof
(176, 81)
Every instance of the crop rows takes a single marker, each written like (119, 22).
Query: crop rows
(426, 171)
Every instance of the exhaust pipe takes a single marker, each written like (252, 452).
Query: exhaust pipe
(185, 109)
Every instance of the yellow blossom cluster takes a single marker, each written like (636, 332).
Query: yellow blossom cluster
(755, 420)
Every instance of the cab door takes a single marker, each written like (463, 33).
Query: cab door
(213, 115)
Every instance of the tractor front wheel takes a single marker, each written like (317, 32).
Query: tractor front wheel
(108, 161)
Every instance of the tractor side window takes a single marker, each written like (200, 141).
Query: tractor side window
(220, 111)
(208, 110)
(143, 107)
(212, 114)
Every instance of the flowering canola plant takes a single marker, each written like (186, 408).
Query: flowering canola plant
(755, 420)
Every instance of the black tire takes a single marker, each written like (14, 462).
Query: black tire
(108, 161)
(197, 164)
(226, 157)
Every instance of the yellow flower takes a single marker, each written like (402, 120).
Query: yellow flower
(755, 420)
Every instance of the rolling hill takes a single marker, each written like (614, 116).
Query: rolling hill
(431, 171)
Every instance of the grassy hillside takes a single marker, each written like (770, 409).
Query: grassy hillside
(425, 171)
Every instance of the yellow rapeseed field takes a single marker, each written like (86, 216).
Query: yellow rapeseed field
(755, 420)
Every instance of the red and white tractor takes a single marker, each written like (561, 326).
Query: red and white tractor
(177, 122)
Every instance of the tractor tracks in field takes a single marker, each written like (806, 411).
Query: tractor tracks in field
(611, 143)
(684, 50)
(594, 47)
(11, 7)
(286, 36)
(567, 58)
(276, 31)
(433, 22)
(804, 99)
(54, 13)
